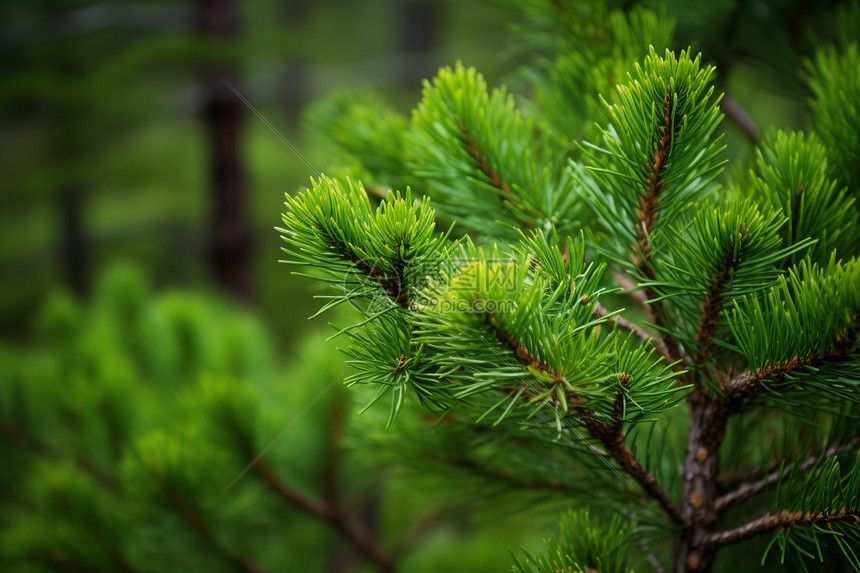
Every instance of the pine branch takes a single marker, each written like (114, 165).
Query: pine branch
(390, 285)
(610, 435)
(712, 306)
(330, 461)
(647, 219)
(612, 439)
(625, 324)
(641, 297)
(521, 353)
(783, 519)
(198, 524)
(751, 488)
(475, 153)
(631, 288)
(331, 514)
(647, 214)
(500, 475)
(739, 116)
(759, 472)
(63, 564)
(750, 384)
(19, 435)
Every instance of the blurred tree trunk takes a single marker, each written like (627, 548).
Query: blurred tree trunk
(64, 125)
(74, 249)
(419, 25)
(229, 233)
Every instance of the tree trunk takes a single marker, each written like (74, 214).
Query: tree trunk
(702, 467)
(229, 233)
(74, 258)
(419, 24)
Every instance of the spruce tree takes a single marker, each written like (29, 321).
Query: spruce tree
(714, 423)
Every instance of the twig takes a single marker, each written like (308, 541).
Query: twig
(610, 435)
(749, 489)
(739, 116)
(623, 323)
(332, 515)
(749, 384)
(501, 475)
(641, 296)
(475, 153)
(712, 305)
(196, 521)
(377, 191)
(631, 288)
(17, 434)
(330, 463)
(782, 519)
(646, 219)
(652, 559)
(612, 439)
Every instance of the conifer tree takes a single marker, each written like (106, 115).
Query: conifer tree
(717, 423)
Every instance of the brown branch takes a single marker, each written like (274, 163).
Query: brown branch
(783, 519)
(795, 213)
(759, 471)
(330, 462)
(331, 514)
(648, 203)
(526, 358)
(749, 489)
(610, 435)
(623, 323)
(631, 288)
(483, 164)
(641, 296)
(521, 353)
(391, 285)
(739, 116)
(708, 419)
(503, 475)
(707, 427)
(475, 153)
(712, 305)
(612, 439)
(377, 191)
(198, 524)
(647, 219)
(62, 564)
(750, 384)
(19, 435)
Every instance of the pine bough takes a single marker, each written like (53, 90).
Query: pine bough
(750, 294)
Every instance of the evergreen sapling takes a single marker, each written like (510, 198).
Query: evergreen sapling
(729, 395)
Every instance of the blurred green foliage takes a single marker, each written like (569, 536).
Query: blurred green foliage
(122, 99)
(129, 425)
